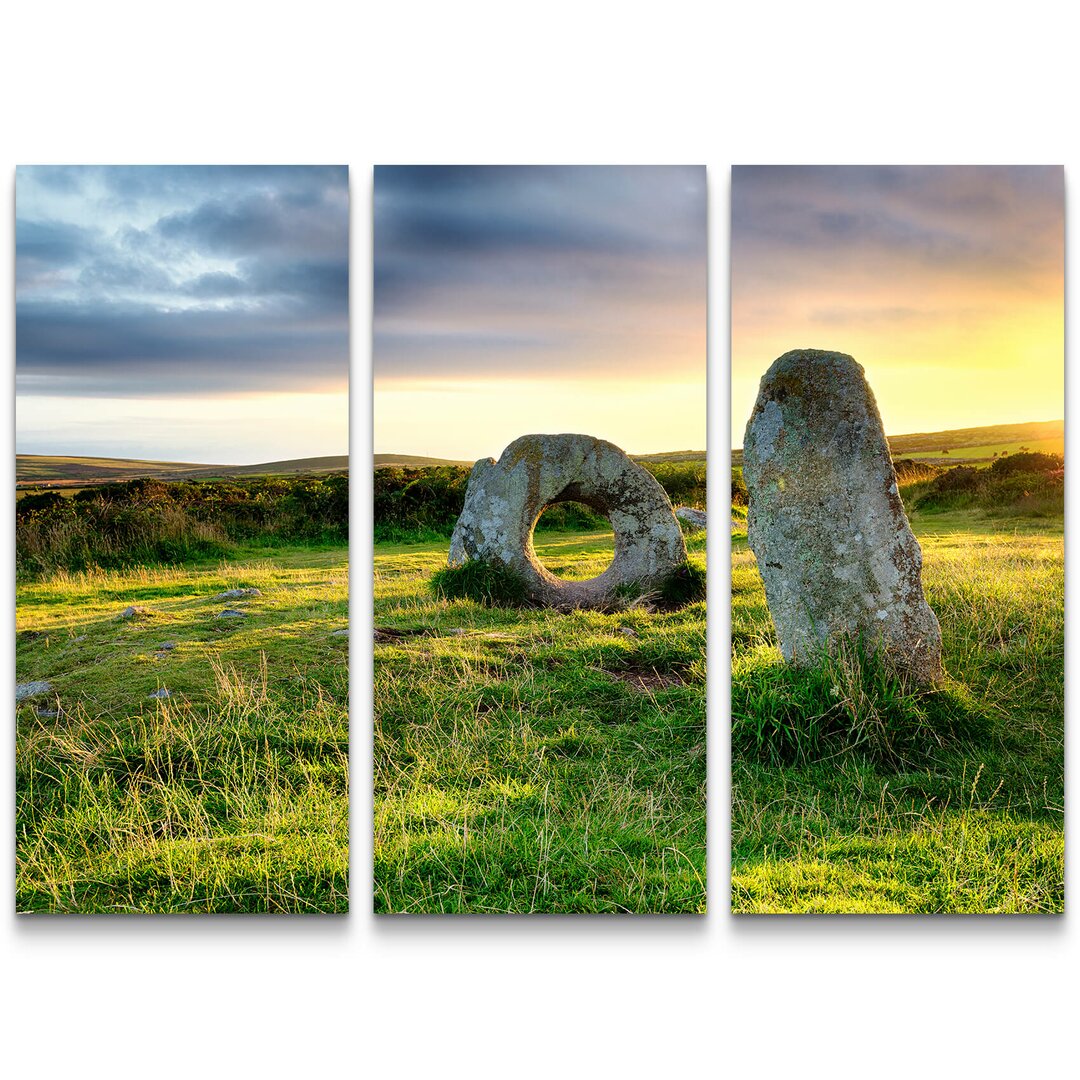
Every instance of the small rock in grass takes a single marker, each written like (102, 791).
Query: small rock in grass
(133, 612)
(81, 637)
(695, 519)
(340, 633)
(458, 631)
(25, 690)
(231, 613)
(236, 594)
(47, 714)
(161, 693)
(165, 646)
(628, 631)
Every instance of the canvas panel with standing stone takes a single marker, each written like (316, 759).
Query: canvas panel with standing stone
(897, 556)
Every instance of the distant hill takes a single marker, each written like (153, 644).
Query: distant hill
(67, 471)
(295, 465)
(673, 455)
(969, 445)
(414, 461)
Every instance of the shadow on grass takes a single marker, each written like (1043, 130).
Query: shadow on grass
(850, 704)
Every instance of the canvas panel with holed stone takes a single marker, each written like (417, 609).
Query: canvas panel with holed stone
(539, 353)
(897, 550)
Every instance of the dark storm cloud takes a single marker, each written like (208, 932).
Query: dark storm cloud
(942, 216)
(131, 351)
(181, 280)
(481, 268)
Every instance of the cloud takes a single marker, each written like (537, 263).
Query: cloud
(136, 352)
(145, 281)
(959, 218)
(535, 269)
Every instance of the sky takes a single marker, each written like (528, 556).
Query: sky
(512, 300)
(182, 313)
(945, 282)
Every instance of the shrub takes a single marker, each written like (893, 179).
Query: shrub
(1027, 483)
(686, 585)
(418, 504)
(485, 583)
(739, 494)
(1029, 462)
(141, 522)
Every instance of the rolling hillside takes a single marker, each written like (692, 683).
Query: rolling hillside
(59, 471)
(973, 445)
(414, 461)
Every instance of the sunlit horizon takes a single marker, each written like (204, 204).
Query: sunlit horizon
(945, 283)
(182, 313)
(519, 300)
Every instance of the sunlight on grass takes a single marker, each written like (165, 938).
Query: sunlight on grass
(954, 811)
(229, 795)
(519, 765)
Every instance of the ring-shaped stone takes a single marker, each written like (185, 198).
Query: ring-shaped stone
(505, 498)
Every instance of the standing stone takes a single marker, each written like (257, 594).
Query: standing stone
(505, 498)
(826, 524)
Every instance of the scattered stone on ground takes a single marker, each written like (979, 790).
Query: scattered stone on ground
(505, 498)
(165, 646)
(46, 714)
(696, 519)
(629, 631)
(133, 612)
(236, 594)
(160, 694)
(26, 690)
(826, 523)
(340, 633)
(81, 637)
(231, 613)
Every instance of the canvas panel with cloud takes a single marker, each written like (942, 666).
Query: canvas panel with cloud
(181, 538)
(539, 652)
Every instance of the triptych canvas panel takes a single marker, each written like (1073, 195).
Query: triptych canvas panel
(540, 516)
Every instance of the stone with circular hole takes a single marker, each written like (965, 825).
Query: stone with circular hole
(505, 499)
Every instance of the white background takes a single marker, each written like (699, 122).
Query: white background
(407, 82)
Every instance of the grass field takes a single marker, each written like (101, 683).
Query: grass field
(973, 444)
(230, 794)
(531, 761)
(987, 451)
(974, 824)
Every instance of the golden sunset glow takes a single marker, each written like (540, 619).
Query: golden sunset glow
(513, 300)
(945, 283)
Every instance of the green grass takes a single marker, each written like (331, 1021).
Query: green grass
(987, 451)
(229, 796)
(527, 760)
(886, 801)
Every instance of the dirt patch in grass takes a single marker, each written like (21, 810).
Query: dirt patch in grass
(646, 680)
